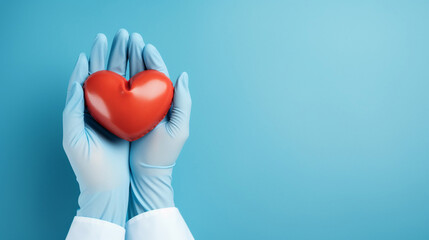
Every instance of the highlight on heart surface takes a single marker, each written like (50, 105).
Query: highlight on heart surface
(128, 109)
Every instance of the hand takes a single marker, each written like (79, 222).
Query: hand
(98, 158)
(153, 156)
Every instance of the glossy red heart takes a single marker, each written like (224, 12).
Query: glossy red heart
(128, 109)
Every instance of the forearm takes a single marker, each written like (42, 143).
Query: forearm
(151, 190)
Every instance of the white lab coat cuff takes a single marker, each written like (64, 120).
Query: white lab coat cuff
(159, 224)
(84, 228)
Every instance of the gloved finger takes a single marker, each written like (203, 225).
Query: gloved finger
(73, 115)
(135, 53)
(80, 73)
(153, 60)
(98, 54)
(118, 54)
(182, 103)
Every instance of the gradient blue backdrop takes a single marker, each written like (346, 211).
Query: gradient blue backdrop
(310, 120)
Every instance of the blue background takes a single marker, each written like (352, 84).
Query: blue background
(310, 120)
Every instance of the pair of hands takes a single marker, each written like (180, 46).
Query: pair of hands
(105, 165)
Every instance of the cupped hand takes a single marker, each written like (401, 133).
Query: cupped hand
(99, 159)
(153, 156)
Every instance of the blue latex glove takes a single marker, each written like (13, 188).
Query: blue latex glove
(98, 158)
(153, 156)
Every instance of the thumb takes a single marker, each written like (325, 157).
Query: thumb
(181, 110)
(73, 115)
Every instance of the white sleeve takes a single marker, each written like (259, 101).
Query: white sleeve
(160, 224)
(84, 228)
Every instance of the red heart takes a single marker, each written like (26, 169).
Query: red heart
(128, 109)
